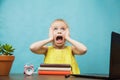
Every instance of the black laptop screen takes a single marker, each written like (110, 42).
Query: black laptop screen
(115, 55)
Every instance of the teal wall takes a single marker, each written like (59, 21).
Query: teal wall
(91, 22)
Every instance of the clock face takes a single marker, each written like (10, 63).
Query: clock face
(29, 70)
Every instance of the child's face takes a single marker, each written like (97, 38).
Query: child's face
(59, 32)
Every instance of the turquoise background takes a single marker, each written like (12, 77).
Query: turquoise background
(91, 22)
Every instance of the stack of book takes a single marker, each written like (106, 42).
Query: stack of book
(54, 69)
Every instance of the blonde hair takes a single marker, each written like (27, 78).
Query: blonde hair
(61, 21)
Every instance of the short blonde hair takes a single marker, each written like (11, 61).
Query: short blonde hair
(61, 21)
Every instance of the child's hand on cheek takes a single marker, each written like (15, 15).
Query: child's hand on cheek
(51, 34)
(67, 35)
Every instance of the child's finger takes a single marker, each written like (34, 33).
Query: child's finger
(68, 33)
(50, 32)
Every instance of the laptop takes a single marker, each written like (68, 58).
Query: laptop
(114, 67)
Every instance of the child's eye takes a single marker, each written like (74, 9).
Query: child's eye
(55, 28)
(62, 28)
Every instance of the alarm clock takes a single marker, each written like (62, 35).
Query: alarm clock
(28, 69)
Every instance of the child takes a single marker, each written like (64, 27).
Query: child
(59, 53)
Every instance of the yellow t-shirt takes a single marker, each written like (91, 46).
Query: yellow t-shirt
(62, 56)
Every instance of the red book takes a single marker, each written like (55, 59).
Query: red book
(50, 72)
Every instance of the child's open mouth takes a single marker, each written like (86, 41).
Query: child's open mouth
(59, 39)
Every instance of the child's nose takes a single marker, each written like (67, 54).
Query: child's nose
(59, 32)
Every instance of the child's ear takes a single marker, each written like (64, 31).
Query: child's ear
(67, 30)
(51, 28)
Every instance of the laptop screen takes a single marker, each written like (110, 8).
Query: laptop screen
(115, 55)
(114, 60)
